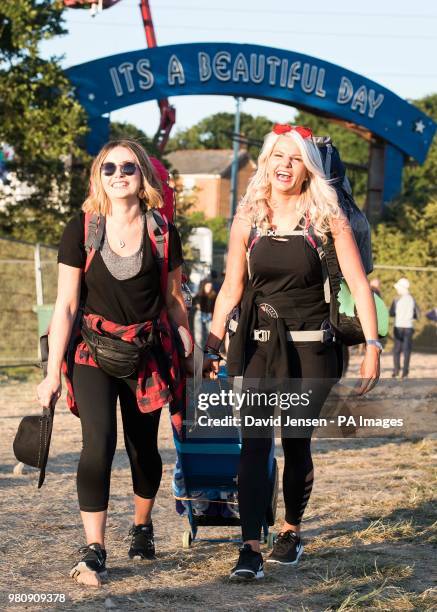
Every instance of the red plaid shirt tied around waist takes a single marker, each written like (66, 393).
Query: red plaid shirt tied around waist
(154, 387)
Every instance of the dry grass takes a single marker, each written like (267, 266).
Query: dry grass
(369, 532)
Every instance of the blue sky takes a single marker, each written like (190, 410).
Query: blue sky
(392, 42)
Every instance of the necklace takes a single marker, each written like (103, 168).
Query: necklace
(121, 242)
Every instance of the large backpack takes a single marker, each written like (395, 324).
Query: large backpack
(168, 193)
(335, 170)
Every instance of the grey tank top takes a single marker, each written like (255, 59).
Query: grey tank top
(120, 267)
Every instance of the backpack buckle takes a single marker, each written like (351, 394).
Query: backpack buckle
(261, 335)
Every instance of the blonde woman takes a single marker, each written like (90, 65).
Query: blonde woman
(282, 311)
(123, 304)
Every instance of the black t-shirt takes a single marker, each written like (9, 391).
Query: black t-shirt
(133, 300)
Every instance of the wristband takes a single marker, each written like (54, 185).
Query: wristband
(212, 353)
(376, 343)
(213, 343)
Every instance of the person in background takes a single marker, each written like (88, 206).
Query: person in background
(432, 315)
(216, 281)
(204, 303)
(404, 309)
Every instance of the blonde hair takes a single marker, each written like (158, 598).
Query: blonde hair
(318, 202)
(150, 193)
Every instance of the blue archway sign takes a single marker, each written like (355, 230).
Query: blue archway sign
(252, 71)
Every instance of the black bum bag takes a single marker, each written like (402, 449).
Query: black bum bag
(115, 356)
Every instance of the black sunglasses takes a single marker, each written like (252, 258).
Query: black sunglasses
(128, 168)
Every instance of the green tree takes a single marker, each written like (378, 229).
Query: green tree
(215, 132)
(119, 130)
(420, 181)
(218, 226)
(41, 120)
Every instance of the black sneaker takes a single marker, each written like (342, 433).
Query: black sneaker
(142, 544)
(93, 560)
(287, 549)
(249, 565)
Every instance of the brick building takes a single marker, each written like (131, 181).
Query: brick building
(209, 172)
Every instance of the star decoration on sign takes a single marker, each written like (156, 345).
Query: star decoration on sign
(419, 126)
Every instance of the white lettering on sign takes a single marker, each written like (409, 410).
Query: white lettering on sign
(143, 69)
(255, 69)
(220, 66)
(175, 71)
(273, 62)
(116, 82)
(359, 101)
(126, 70)
(294, 74)
(345, 91)
(284, 73)
(362, 100)
(319, 85)
(309, 78)
(241, 69)
(205, 71)
(374, 102)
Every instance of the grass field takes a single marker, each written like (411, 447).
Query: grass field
(369, 530)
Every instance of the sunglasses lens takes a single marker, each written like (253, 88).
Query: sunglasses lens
(108, 168)
(129, 168)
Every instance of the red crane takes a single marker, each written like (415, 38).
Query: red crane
(167, 111)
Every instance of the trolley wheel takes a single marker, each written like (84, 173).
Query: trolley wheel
(270, 539)
(187, 539)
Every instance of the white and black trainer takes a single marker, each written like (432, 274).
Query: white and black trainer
(249, 565)
(142, 543)
(287, 549)
(91, 568)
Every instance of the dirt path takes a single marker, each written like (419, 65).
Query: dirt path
(368, 529)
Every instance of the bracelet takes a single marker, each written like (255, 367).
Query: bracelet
(376, 343)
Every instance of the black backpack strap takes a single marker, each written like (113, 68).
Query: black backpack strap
(314, 240)
(327, 165)
(331, 265)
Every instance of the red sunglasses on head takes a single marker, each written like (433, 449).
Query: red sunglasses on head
(283, 128)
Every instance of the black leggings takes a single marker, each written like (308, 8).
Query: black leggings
(312, 361)
(96, 395)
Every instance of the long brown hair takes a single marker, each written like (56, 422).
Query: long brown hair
(151, 190)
